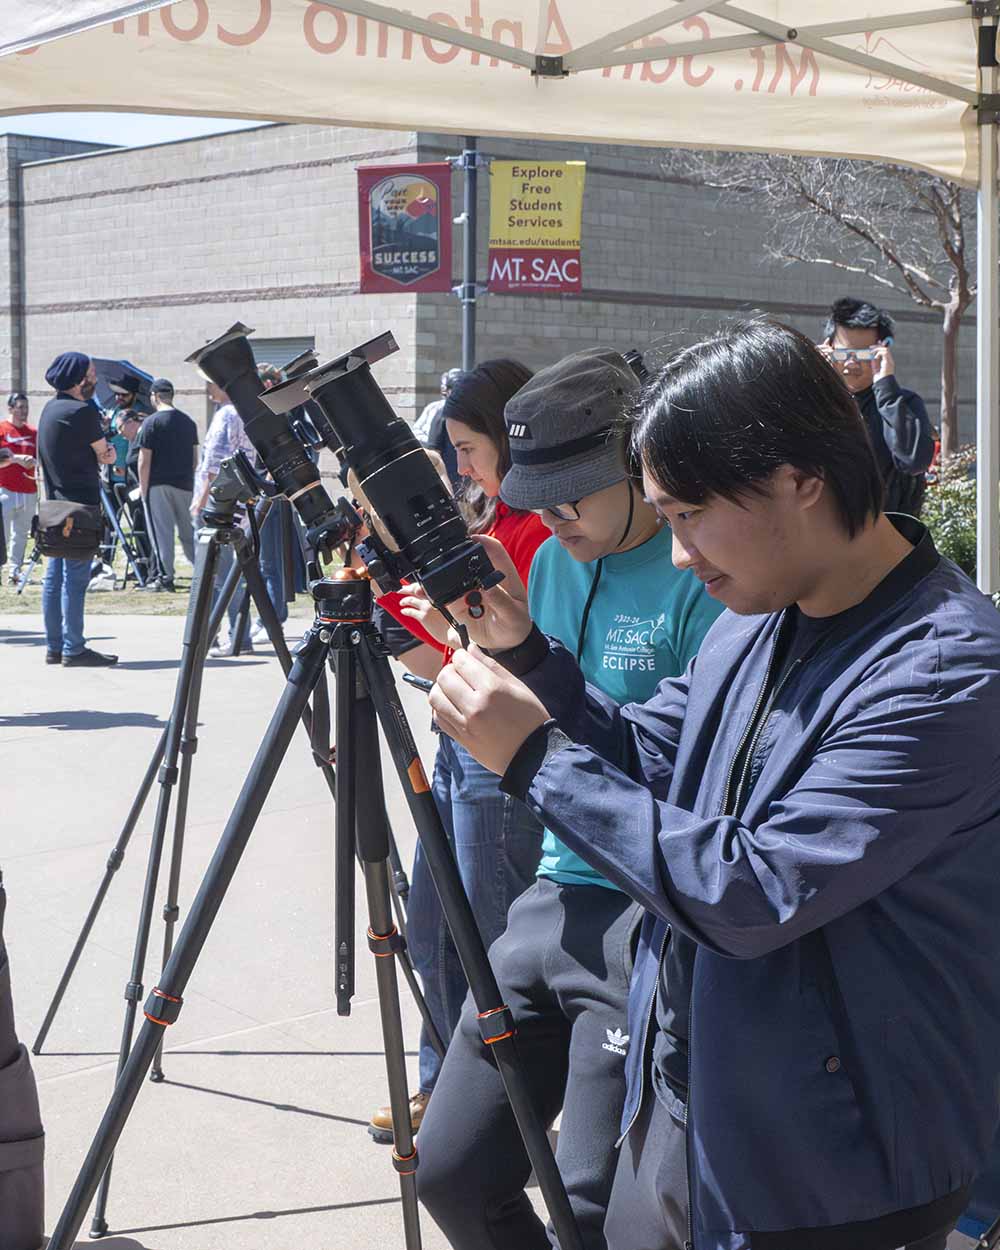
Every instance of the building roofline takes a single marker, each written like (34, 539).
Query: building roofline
(116, 149)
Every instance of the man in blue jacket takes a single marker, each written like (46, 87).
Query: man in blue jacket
(810, 816)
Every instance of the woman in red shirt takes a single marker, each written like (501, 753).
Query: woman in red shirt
(497, 842)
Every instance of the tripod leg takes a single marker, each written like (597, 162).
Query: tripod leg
(258, 592)
(241, 627)
(188, 747)
(496, 1022)
(25, 577)
(358, 731)
(163, 1005)
(119, 537)
(115, 860)
(194, 630)
(346, 694)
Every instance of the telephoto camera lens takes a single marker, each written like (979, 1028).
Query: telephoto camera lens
(228, 361)
(394, 472)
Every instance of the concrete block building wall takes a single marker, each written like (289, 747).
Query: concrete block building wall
(15, 152)
(663, 262)
(149, 252)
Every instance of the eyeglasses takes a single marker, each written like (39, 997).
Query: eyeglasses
(853, 353)
(561, 511)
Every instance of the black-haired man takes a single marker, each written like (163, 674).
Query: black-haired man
(857, 342)
(167, 446)
(812, 811)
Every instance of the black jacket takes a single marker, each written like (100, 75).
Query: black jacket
(901, 435)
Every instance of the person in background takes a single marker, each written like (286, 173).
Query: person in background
(496, 842)
(422, 425)
(857, 342)
(273, 537)
(125, 391)
(225, 437)
(605, 586)
(167, 448)
(71, 449)
(18, 487)
(436, 437)
(121, 436)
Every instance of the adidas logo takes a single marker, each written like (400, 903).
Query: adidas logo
(617, 1042)
(518, 429)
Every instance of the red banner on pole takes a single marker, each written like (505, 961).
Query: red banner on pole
(405, 227)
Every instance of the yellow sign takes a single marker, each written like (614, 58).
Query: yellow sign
(536, 215)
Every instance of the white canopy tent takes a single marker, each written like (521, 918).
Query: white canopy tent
(908, 81)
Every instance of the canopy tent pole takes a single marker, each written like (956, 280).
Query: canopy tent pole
(988, 322)
(468, 290)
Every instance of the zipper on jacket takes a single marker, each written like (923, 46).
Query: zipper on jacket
(748, 762)
(645, 1034)
(725, 809)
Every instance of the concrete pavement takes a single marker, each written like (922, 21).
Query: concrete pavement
(257, 1139)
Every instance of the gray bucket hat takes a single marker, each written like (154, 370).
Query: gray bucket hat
(564, 428)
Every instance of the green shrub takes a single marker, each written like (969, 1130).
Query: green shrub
(950, 509)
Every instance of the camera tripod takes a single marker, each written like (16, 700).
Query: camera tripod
(179, 740)
(366, 697)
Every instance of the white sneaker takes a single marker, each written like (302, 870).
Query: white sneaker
(224, 651)
(259, 633)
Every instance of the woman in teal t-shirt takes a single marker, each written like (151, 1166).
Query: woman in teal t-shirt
(605, 586)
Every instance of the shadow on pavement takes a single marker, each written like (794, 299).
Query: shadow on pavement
(83, 719)
(109, 1244)
(266, 1102)
(142, 665)
(29, 636)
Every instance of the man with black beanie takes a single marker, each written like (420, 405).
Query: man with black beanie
(857, 342)
(71, 446)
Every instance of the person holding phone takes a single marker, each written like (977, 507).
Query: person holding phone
(857, 342)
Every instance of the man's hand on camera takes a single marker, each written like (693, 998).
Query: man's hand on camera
(505, 621)
(883, 365)
(485, 708)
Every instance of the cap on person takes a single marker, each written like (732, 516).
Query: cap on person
(125, 384)
(162, 386)
(567, 437)
(67, 370)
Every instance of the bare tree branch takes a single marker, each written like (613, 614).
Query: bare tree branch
(900, 228)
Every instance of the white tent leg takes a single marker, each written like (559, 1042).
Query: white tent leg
(988, 366)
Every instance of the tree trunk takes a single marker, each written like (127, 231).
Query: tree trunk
(950, 325)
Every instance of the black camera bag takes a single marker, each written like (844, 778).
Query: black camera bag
(69, 531)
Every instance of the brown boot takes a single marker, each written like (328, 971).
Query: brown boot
(380, 1127)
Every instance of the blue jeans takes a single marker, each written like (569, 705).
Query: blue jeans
(63, 592)
(272, 557)
(497, 844)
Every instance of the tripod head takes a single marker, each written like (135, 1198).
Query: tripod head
(237, 483)
(343, 599)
